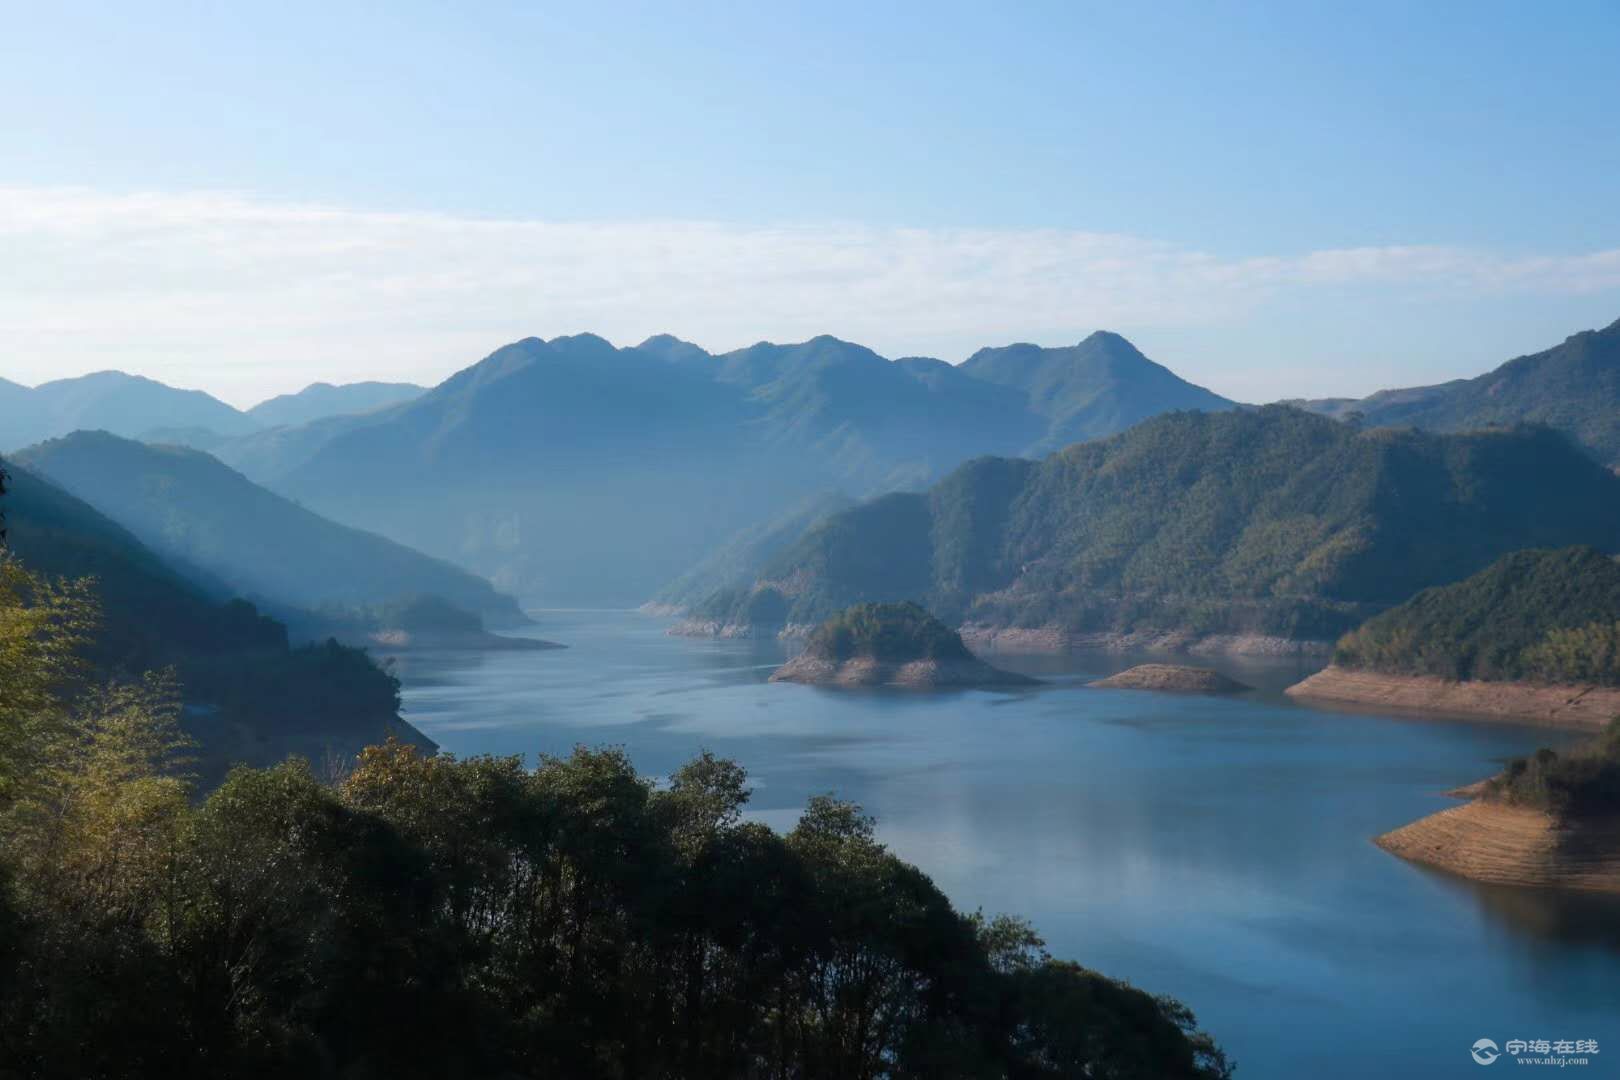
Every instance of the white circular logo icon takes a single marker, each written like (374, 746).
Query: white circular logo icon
(1485, 1052)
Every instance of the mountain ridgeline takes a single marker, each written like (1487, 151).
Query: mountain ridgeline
(1574, 387)
(318, 400)
(1272, 522)
(196, 512)
(140, 408)
(251, 696)
(573, 471)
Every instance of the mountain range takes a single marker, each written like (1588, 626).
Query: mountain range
(571, 471)
(1272, 522)
(137, 407)
(196, 512)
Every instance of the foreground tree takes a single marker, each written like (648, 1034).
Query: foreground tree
(475, 918)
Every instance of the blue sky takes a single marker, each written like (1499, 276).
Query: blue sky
(1274, 199)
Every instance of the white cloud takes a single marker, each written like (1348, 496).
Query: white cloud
(248, 297)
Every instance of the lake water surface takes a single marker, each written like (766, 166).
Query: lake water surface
(1216, 849)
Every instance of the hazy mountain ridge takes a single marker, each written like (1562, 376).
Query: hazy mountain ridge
(1271, 522)
(192, 509)
(136, 407)
(254, 698)
(127, 405)
(322, 399)
(1101, 386)
(579, 472)
(1573, 386)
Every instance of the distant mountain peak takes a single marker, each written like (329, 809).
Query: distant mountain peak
(1109, 339)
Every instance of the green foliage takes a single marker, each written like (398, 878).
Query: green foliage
(436, 917)
(1272, 521)
(1547, 616)
(228, 659)
(888, 632)
(1583, 783)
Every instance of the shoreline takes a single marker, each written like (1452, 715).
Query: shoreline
(1046, 640)
(865, 671)
(1574, 708)
(1057, 640)
(1498, 844)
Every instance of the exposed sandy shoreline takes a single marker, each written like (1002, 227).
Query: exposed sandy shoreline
(1172, 678)
(1047, 639)
(1055, 639)
(914, 674)
(1506, 845)
(1582, 708)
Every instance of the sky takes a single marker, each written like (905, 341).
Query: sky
(1274, 200)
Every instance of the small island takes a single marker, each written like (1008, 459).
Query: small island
(891, 645)
(1549, 820)
(1176, 678)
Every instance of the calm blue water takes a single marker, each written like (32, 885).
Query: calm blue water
(1213, 849)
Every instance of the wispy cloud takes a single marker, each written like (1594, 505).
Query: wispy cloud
(248, 297)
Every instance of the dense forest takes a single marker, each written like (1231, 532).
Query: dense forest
(898, 632)
(424, 916)
(1543, 616)
(1273, 521)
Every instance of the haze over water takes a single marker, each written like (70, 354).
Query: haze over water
(1215, 849)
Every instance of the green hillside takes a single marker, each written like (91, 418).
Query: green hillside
(1573, 386)
(1269, 521)
(891, 632)
(193, 510)
(251, 696)
(1545, 616)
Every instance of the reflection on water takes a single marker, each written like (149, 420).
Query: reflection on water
(1213, 848)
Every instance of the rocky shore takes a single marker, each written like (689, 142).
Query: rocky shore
(1054, 639)
(912, 674)
(1582, 708)
(1172, 677)
(1508, 845)
(1042, 640)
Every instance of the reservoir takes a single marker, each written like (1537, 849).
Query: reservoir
(1217, 849)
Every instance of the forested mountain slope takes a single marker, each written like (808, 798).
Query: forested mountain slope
(1272, 522)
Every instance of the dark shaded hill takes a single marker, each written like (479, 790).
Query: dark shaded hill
(251, 697)
(1101, 386)
(1574, 387)
(571, 471)
(319, 400)
(192, 509)
(127, 405)
(1542, 616)
(1272, 522)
